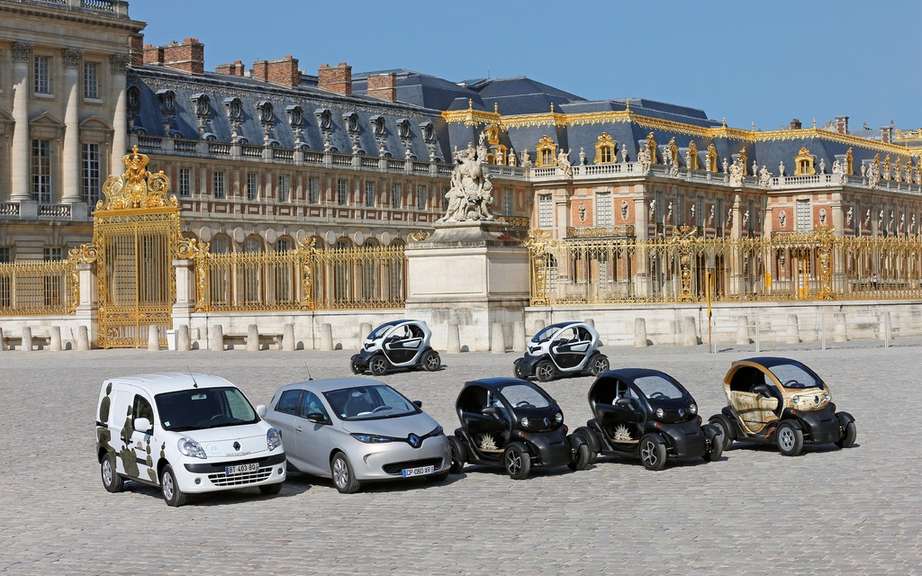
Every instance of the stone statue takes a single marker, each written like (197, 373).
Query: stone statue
(471, 190)
(513, 161)
(781, 168)
(725, 165)
(765, 177)
(836, 167)
(624, 157)
(688, 160)
(563, 162)
(782, 219)
(730, 216)
(652, 209)
(755, 168)
(691, 212)
(668, 218)
(736, 173)
(822, 216)
(822, 165)
(526, 161)
(849, 215)
(711, 213)
(643, 158)
(863, 169)
(873, 175)
(746, 217)
(867, 217)
(482, 147)
(582, 156)
(912, 224)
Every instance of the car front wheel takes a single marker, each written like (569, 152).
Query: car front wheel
(111, 480)
(356, 367)
(545, 371)
(431, 361)
(378, 365)
(726, 430)
(848, 430)
(457, 455)
(343, 477)
(518, 371)
(652, 452)
(790, 439)
(517, 461)
(169, 487)
(715, 442)
(598, 364)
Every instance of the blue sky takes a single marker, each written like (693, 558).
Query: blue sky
(762, 62)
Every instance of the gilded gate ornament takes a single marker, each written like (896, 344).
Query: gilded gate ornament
(136, 187)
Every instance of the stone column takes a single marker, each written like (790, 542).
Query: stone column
(118, 63)
(641, 271)
(87, 306)
(19, 153)
(736, 231)
(185, 293)
(837, 261)
(70, 157)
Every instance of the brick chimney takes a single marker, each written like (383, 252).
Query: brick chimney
(236, 68)
(188, 56)
(152, 55)
(795, 124)
(338, 80)
(886, 134)
(842, 124)
(383, 86)
(136, 49)
(283, 72)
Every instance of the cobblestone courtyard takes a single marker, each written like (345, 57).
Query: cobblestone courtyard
(854, 511)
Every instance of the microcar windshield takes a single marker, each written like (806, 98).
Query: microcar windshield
(525, 396)
(369, 402)
(795, 376)
(658, 388)
(201, 408)
(545, 334)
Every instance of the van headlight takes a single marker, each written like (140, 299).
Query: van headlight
(191, 448)
(273, 439)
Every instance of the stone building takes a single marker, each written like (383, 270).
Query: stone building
(264, 155)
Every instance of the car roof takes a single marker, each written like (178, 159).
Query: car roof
(631, 374)
(328, 384)
(769, 361)
(162, 382)
(563, 324)
(397, 323)
(498, 382)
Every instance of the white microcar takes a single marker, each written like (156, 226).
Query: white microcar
(185, 433)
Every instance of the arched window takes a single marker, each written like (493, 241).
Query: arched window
(253, 243)
(284, 244)
(546, 151)
(803, 163)
(220, 244)
(604, 149)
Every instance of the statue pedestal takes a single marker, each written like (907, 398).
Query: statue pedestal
(471, 274)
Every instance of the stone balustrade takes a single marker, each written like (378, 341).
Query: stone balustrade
(118, 8)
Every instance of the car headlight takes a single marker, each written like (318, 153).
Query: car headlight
(524, 422)
(826, 397)
(558, 418)
(692, 408)
(372, 438)
(659, 413)
(273, 439)
(191, 448)
(437, 432)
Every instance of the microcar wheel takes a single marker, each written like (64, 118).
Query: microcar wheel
(111, 481)
(517, 461)
(790, 439)
(356, 367)
(457, 455)
(652, 452)
(271, 489)
(169, 487)
(598, 364)
(545, 371)
(431, 361)
(726, 430)
(377, 365)
(343, 478)
(586, 435)
(517, 370)
(580, 460)
(849, 432)
(715, 442)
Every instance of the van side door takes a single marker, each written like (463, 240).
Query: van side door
(119, 414)
(141, 442)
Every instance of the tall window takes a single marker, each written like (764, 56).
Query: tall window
(803, 217)
(90, 162)
(422, 197)
(508, 202)
(6, 254)
(370, 193)
(42, 75)
(604, 218)
(314, 190)
(218, 188)
(342, 191)
(284, 191)
(52, 253)
(91, 80)
(41, 171)
(545, 211)
(396, 195)
(252, 186)
(185, 182)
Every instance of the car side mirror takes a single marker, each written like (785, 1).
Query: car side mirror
(316, 418)
(142, 425)
(261, 410)
(418, 403)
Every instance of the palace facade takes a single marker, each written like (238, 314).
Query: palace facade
(264, 156)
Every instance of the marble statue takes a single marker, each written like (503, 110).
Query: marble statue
(765, 177)
(782, 219)
(755, 168)
(482, 146)
(691, 212)
(643, 158)
(746, 217)
(822, 165)
(867, 217)
(563, 162)
(624, 157)
(688, 160)
(668, 212)
(513, 161)
(711, 214)
(781, 168)
(582, 156)
(822, 216)
(652, 209)
(736, 173)
(863, 169)
(526, 161)
(725, 165)
(730, 216)
(873, 175)
(471, 190)
(912, 224)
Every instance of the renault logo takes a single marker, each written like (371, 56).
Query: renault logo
(237, 446)
(414, 440)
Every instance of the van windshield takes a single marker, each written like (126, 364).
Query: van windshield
(201, 408)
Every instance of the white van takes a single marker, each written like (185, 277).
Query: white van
(185, 433)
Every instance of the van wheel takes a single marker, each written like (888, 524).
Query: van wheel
(457, 455)
(790, 438)
(431, 361)
(652, 452)
(169, 487)
(517, 461)
(271, 489)
(545, 371)
(111, 480)
(848, 428)
(377, 365)
(598, 364)
(342, 474)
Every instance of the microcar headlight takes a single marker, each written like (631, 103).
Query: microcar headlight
(558, 418)
(372, 438)
(659, 413)
(273, 439)
(437, 432)
(191, 448)
(692, 408)
(826, 397)
(524, 422)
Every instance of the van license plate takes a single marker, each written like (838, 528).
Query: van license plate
(418, 471)
(241, 468)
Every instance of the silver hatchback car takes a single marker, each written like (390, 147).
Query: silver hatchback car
(355, 430)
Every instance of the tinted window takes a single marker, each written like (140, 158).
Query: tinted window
(366, 402)
(202, 408)
(379, 331)
(794, 376)
(524, 396)
(311, 404)
(142, 408)
(289, 402)
(545, 334)
(657, 387)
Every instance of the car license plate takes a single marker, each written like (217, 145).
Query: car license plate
(241, 468)
(418, 471)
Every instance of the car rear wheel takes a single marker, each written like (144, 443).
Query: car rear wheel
(726, 430)
(545, 371)
(518, 371)
(598, 364)
(169, 487)
(431, 361)
(111, 480)
(343, 477)
(457, 455)
(848, 430)
(580, 459)
(517, 461)
(377, 365)
(586, 435)
(652, 452)
(790, 439)
(356, 367)
(715, 442)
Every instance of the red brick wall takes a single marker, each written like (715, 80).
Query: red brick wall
(338, 80)
(234, 69)
(580, 205)
(283, 72)
(136, 49)
(152, 54)
(383, 86)
(188, 56)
